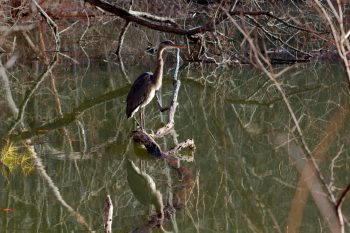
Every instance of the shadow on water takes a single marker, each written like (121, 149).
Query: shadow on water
(242, 180)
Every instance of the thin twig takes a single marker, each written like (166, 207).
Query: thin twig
(270, 14)
(118, 52)
(277, 38)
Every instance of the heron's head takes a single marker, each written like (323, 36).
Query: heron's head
(168, 44)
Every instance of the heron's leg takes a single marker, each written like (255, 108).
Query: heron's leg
(142, 116)
(158, 100)
(160, 103)
(136, 123)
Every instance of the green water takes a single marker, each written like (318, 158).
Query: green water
(243, 182)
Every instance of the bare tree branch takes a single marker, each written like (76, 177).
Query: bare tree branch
(149, 22)
(118, 52)
(70, 117)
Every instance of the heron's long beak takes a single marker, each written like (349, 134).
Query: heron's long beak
(178, 46)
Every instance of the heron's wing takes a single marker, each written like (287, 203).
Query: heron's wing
(138, 93)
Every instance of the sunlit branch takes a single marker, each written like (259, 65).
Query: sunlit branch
(172, 109)
(188, 144)
(83, 134)
(108, 215)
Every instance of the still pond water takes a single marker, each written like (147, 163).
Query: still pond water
(244, 179)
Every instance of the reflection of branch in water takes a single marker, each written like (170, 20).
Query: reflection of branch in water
(310, 178)
(70, 117)
(183, 190)
(43, 76)
(40, 168)
(181, 194)
(56, 97)
(6, 90)
(336, 123)
(83, 134)
(251, 101)
(310, 170)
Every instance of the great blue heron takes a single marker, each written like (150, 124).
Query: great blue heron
(145, 86)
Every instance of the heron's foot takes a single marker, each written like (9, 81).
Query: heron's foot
(137, 124)
(139, 127)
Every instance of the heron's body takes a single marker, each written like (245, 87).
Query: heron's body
(142, 90)
(145, 86)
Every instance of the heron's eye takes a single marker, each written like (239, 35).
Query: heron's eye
(167, 42)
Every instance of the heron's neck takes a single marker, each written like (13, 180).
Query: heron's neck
(158, 74)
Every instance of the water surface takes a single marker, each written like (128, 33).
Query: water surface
(244, 182)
